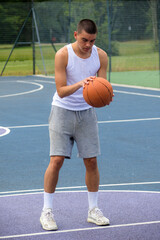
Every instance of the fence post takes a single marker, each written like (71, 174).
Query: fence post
(33, 39)
(69, 2)
(109, 39)
(158, 20)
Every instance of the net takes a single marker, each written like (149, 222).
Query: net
(127, 30)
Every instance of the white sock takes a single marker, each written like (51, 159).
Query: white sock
(48, 200)
(92, 200)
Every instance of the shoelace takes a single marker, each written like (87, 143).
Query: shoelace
(49, 215)
(98, 212)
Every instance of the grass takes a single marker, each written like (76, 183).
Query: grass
(133, 56)
(139, 62)
(131, 48)
(21, 60)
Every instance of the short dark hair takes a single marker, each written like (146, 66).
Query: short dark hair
(87, 25)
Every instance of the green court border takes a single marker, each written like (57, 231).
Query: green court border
(137, 78)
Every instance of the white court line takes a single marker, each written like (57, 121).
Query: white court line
(30, 126)
(7, 131)
(138, 94)
(23, 192)
(80, 191)
(111, 121)
(80, 229)
(28, 92)
(129, 120)
(125, 92)
(44, 81)
(114, 84)
(136, 87)
(44, 76)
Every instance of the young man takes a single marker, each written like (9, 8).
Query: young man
(72, 119)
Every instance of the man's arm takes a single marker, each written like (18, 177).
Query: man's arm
(103, 63)
(63, 90)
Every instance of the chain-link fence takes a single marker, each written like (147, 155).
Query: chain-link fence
(128, 30)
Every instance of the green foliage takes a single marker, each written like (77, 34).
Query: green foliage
(128, 21)
(11, 20)
(96, 11)
(51, 22)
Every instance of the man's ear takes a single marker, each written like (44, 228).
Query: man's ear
(75, 34)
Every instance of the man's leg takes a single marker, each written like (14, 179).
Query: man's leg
(92, 174)
(92, 182)
(50, 182)
(52, 173)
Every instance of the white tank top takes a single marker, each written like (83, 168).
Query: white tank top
(77, 69)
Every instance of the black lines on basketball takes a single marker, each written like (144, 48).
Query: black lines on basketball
(98, 93)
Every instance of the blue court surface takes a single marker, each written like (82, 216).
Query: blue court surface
(129, 165)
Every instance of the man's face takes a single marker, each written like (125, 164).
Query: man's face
(85, 41)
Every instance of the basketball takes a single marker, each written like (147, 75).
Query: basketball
(98, 92)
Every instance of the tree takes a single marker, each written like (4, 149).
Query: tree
(94, 10)
(11, 20)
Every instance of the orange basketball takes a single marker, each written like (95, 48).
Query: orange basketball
(98, 92)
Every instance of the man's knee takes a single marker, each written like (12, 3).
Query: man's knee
(56, 162)
(91, 163)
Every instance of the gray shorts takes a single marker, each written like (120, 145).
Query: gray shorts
(67, 127)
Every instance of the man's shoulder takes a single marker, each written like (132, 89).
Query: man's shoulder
(61, 57)
(62, 52)
(101, 52)
(102, 56)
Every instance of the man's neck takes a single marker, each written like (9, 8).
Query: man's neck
(80, 53)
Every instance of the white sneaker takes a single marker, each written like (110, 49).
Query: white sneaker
(96, 216)
(47, 220)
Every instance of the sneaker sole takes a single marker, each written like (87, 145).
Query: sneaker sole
(48, 229)
(90, 220)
